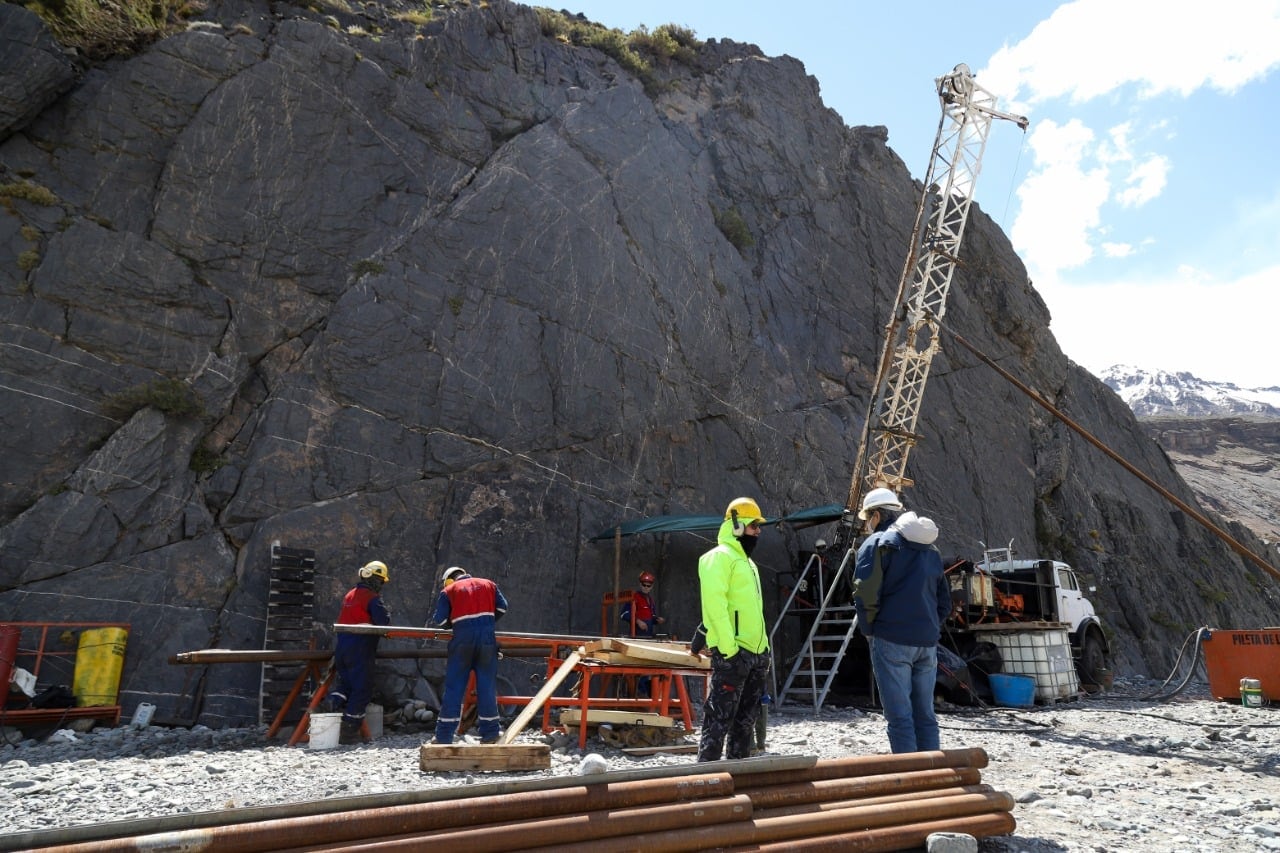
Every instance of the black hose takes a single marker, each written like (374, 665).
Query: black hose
(1191, 670)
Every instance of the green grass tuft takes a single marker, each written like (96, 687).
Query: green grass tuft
(173, 397)
(103, 30)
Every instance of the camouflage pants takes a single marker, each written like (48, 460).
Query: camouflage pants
(737, 684)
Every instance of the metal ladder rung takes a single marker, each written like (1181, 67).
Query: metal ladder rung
(840, 618)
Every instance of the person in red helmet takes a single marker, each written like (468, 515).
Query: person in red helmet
(646, 607)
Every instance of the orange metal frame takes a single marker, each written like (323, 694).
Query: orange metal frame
(609, 601)
(663, 681)
(668, 694)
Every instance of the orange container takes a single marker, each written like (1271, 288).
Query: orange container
(1232, 655)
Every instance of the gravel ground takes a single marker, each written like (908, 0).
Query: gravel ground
(1115, 773)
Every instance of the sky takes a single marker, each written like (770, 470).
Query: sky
(1144, 198)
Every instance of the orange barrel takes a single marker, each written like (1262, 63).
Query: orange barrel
(99, 660)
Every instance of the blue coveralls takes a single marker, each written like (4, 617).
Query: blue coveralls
(353, 658)
(472, 606)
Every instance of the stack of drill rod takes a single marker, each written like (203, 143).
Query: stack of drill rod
(887, 802)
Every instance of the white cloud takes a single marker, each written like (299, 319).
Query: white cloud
(1106, 85)
(1192, 321)
(1145, 181)
(1090, 48)
(1060, 200)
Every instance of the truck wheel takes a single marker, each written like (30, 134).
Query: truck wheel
(1094, 674)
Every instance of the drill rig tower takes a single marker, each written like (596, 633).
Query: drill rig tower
(911, 339)
(911, 336)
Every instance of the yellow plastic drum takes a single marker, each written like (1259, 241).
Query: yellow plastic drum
(99, 660)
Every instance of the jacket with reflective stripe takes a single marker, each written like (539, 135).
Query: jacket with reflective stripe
(470, 601)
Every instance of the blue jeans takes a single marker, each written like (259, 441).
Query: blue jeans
(906, 676)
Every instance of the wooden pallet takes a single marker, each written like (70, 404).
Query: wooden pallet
(290, 625)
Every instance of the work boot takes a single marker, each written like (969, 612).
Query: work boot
(350, 733)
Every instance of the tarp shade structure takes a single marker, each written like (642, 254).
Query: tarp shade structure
(693, 523)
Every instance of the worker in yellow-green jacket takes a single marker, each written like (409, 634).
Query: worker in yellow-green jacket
(733, 615)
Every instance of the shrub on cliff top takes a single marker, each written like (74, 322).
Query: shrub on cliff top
(102, 30)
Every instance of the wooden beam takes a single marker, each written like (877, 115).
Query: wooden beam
(501, 757)
(596, 716)
(671, 654)
(539, 699)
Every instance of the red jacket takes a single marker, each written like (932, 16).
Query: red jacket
(470, 602)
(362, 605)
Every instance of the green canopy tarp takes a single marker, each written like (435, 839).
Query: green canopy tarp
(692, 523)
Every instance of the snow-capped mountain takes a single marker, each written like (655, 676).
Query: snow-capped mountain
(1158, 392)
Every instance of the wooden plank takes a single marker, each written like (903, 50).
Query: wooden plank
(500, 757)
(570, 716)
(539, 699)
(620, 659)
(654, 750)
(672, 654)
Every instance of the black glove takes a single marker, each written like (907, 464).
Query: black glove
(699, 641)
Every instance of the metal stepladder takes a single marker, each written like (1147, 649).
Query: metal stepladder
(815, 666)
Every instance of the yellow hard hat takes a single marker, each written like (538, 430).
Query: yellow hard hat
(743, 511)
(375, 569)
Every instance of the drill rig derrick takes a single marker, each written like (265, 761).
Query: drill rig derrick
(911, 335)
(911, 340)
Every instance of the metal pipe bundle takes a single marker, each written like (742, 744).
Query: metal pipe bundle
(859, 803)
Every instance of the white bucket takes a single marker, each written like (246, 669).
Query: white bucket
(324, 731)
(373, 718)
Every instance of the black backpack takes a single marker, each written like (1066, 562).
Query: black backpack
(54, 696)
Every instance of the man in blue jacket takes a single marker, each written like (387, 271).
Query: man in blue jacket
(902, 597)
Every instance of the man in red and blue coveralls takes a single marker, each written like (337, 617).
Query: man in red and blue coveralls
(354, 655)
(471, 607)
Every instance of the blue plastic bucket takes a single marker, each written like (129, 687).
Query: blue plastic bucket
(1013, 691)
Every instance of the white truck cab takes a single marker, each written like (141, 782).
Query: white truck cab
(1049, 590)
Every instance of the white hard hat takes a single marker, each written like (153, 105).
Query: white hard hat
(453, 573)
(878, 499)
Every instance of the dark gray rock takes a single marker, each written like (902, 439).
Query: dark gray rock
(37, 69)
(464, 294)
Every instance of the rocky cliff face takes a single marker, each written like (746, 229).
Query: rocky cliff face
(462, 293)
(1231, 464)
